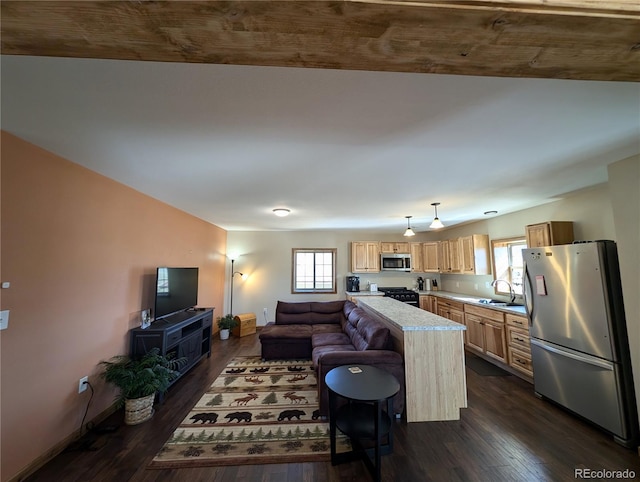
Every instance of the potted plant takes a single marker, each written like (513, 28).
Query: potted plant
(226, 323)
(139, 380)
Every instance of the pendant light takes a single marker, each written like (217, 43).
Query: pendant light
(409, 231)
(436, 224)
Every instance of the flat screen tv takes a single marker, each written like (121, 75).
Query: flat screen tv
(176, 290)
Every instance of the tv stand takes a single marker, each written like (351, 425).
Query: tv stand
(184, 334)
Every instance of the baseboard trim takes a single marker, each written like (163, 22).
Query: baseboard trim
(58, 448)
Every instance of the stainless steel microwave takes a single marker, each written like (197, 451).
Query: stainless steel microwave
(395, 262)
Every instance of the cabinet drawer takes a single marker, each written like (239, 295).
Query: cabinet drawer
(493, 315)
(174, 337)
(456, 305)
(517, 321)
(518, 339)
(520, 361)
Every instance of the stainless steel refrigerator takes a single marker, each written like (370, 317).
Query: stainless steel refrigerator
(579, 344)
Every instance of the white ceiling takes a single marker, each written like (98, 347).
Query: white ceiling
(341, 149)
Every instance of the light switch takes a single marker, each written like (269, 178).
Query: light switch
(6, 284)
(4, 319)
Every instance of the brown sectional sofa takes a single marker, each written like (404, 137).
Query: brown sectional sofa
(331, 334)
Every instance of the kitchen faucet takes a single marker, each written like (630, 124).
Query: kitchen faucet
(513, 293)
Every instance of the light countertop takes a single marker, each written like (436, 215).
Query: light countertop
(365, 293)
(407, 317)
(474, 300)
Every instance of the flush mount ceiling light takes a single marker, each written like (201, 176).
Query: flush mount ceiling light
(436, 224)
(409, 231)
(281, 212)
(488, 213)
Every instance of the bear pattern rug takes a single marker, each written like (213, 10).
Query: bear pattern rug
(255, 412)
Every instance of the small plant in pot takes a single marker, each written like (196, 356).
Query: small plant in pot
(226, 323)
(139, 380)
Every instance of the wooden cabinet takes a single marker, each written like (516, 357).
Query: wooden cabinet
(185, 334)
(417, 262)
(486, 331)
(549, 233)
(365, 257)
(387, 247)
(455, 256)
(449, 256)
(444, 262)
(429, 303)
(430, 257)
(518, 344)
(475, 254)
(451, 309)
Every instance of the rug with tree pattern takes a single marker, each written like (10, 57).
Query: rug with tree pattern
(255, 412)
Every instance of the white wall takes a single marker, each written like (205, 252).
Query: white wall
(624, 186)
(266, 256)
(589, 209)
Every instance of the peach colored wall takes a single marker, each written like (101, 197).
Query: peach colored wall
(80, 251)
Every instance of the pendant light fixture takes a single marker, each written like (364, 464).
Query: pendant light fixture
(436, 224)
(409, 231)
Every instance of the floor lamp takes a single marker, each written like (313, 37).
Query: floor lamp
(233, 273)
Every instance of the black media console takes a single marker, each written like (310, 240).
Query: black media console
(185, 334)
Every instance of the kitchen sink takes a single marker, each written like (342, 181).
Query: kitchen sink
(499, 303)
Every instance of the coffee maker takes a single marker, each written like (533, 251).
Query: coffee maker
(353, 283)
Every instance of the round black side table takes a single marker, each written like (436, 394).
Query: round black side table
(366, 389)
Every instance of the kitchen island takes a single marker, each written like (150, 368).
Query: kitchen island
(433, 350)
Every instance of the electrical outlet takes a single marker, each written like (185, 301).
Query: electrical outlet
(4, 319)
(83, 384)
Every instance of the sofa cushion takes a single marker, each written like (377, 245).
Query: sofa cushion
(325, 312)
(370, 334)
(323, 339)
(325, 328)
(273, 331)
(321, 350)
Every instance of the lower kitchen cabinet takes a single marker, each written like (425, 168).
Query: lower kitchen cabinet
(486, 331)
(452, 310)
(519, 346)
(429, 303)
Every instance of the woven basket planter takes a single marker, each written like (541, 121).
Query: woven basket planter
(138, 410)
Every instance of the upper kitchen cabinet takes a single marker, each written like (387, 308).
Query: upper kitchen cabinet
(386, 247)
(417, 261)
(444, 262)
(430, 257)
(365, 257)
(475, 254)
(549, 233)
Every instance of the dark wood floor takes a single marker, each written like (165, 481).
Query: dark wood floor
(506, 434)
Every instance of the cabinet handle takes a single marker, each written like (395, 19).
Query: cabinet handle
(518, 339)
(518, 322)
(522, 362)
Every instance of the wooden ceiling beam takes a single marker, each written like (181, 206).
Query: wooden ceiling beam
(562, 39)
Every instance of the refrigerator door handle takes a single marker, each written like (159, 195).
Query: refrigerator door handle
(528, 302)
(574, 356)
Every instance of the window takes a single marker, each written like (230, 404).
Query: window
(314, 271)
(508, 264)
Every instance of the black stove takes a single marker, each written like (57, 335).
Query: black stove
(402, 294)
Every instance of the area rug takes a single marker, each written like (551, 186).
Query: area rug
(255, 412)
